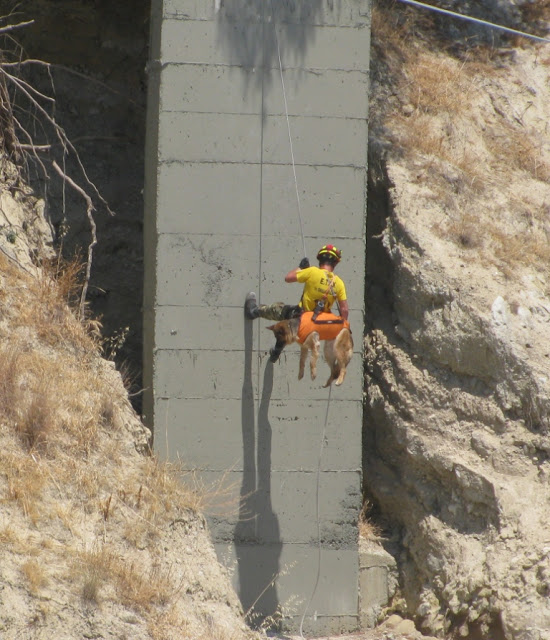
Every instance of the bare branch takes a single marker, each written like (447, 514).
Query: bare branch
(50, 65)
(60, 133)
(89, 209)
(12, 27)
(35, 147)
(48, 147)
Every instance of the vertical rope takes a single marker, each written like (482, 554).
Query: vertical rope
(289, 133)
(318, 516)
(262, 114)
(323, 436)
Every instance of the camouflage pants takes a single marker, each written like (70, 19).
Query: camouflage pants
(279, 311)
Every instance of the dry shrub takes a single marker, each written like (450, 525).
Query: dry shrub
(516, 148)
(435, 85)
(368, 529)
(25, 482)
(54, 289)
(527, 249)
(164, 490)
(141, 589)
(161, 491)
(153, 497)
(391, 31)
(27, 394)
(11, 540)
(94, 568)
(537, 15)
(127, 582)
(35, 575)
(37, 421)
(54, 402)
(9, 376)
(463, 230)
(40, 304)
(162, 625)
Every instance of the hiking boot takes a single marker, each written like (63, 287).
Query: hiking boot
(251, 310)
(274, 354)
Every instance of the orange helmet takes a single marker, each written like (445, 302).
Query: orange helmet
(331, 252)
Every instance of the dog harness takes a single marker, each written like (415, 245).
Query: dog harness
(327, 325)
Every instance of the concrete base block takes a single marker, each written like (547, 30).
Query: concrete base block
(377, 581)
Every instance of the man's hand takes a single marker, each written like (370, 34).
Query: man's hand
(304, 263)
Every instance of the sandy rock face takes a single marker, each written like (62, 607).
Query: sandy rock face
(456, 435)
(458, 454)
(25, 234)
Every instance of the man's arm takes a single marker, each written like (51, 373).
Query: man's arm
(344, 309)
(291, 275)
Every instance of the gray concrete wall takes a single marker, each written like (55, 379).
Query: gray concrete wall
(222, 219)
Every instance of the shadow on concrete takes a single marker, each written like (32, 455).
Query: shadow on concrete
(252, 32)
(246, 527)
(268, 603)
(256, 535)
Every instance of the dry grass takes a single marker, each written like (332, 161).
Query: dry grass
(161, 625)
(518, 149)
(368, 529)
(465, 167)
(69, 468)
(435, 85)
(104, 574)
(35, 575)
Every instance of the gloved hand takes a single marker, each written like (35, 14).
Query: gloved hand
(304, 263)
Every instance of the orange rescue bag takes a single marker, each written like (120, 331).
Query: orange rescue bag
(327, 325)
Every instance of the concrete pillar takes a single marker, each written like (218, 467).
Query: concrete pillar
(222, 219)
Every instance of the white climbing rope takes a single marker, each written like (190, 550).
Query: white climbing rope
(318, 516)
(289, 132)
(323, 436)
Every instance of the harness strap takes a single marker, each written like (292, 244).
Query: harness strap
(320, 306)
(338, 321)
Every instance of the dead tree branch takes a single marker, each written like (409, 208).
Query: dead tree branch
(13, 27)
(37, 138)
(89, 209)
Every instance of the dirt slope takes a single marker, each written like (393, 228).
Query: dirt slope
(98, 539)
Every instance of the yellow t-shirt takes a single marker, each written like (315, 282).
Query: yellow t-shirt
(316, 286)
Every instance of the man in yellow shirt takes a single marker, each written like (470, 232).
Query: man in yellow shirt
(321, 285)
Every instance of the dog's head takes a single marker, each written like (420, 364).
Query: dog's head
(284, 331)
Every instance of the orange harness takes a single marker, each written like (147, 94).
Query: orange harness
(327, 325)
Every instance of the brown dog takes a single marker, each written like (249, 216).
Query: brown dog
(335, 333)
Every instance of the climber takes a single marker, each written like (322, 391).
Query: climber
(321, 289)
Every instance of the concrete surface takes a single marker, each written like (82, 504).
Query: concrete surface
(377, 581)
(221, 219)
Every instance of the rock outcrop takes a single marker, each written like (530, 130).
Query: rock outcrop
(456, 441)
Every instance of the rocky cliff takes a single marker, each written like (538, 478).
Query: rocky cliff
(456, 446)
